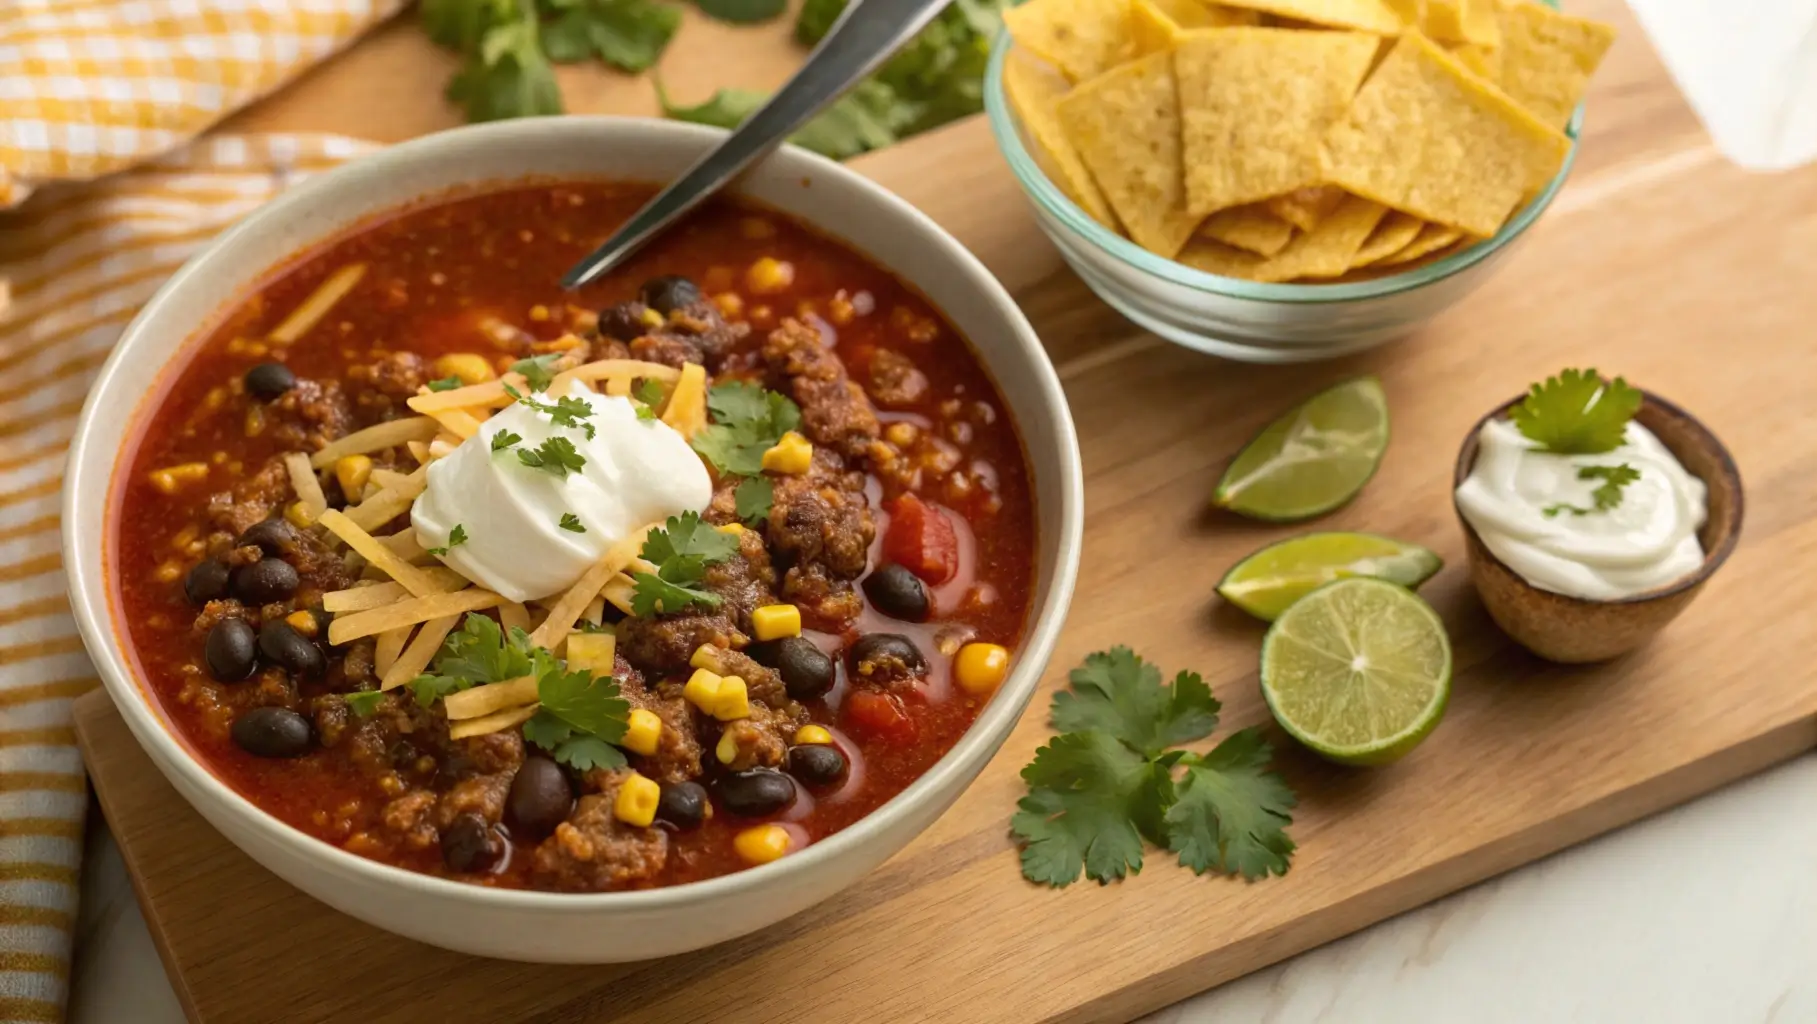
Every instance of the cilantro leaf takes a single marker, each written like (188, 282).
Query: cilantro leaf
(1087, 790)
(630, 35)
(1120, 694)
(481, 651)
(461, 24)
(536, 371)
(547, 731)
(748, 421)
(1606, 496)
(742, 12)
(585, 753)
(556, 455)
(753, 499)
(689, 535)
(456, 537)
(650, 396)
(1230, 813)
(1577, 413)
(669, 589)
(445, 384)
(586, 703)
(430, 688)
(507, 75)
(504, 439)
(855, 123)
(365, 703)
(571, 523)
(568, 412)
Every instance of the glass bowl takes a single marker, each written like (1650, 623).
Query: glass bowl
(1247, 320)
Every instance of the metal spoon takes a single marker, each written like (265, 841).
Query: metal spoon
(864, 37)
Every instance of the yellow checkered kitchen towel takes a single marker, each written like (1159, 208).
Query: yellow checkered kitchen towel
(114, 90)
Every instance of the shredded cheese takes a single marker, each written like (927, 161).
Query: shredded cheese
(303, 481)
(408, 613)
(491, 723)
(415, 580)
(686, 410)
(481, 701)
(376, 438)
(459, 422)
(564, 612)
(318, 304)
(605, 369)
(490, 394)
(416, 657)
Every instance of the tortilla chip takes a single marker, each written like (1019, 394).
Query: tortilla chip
(1082, 37)
(1033, 92)
(1431, 239)
(1126, 126)
(1411, 12)
(1251, 228)
(1485, 62)
(1215, 257)
(1361, 15)
(1254, 103)
(1328, 250)
(1155, 25)
(1462, 21)
(1391, 236)
(1548, 58)
(1305, 207)
(1427, 137)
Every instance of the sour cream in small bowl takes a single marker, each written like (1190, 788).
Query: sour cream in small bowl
(1573, 582)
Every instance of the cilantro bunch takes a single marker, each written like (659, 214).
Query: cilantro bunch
(1577, 412)
(747, 421)
(1114, 778)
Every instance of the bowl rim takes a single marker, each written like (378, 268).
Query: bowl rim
(91, 589)
(1048, 197)
(1712, 558)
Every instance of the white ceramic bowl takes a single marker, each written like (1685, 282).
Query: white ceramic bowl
(541, 926)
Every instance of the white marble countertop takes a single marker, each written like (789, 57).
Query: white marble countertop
(1704, 914)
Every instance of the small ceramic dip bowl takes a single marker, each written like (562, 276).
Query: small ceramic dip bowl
(1573, 630)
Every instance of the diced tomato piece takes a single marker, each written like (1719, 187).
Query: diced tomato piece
(921, 539)
(880, 715)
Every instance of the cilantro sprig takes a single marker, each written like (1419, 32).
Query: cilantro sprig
(649, 395)
(364, 703)
(537, 371)
(1606, 496)
(1577, 413)
(570, 412)
(681, 551)
(747, 421)
(445, 384)
(1115, 777)
(456, 537)
(753, 499)
(505, 439)
(571, 523)
(556, 455)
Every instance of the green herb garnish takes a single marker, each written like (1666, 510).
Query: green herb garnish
(456, 537)
(581, 716)
(556, 455)
(536, 371)
(504, 439)
(571, 523)
(747, 421)
(445, 384)
(1606, 496)
(365, 703)
(681, 551)
(1577, 413)
(1111, 779)
(570, 412)
(627, 34)
(742, 12)
(649, 395)
(753, 499)
(506, 74)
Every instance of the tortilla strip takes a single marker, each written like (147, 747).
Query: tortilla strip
(564, 612)
(491, 394)
(409, 613)
(416, 657)
(390, 644)
(306, 486)
(318, 305)
(481, 701)
(491, 723)
(377, 438)
(415, 580)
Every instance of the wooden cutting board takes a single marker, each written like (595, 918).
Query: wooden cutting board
(1660, 262)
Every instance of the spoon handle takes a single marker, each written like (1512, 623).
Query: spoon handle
(865, 35)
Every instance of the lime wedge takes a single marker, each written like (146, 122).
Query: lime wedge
(1358, 670)
(1313, 459)
(1266, 582)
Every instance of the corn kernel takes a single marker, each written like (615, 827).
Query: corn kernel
(768, 276)
(651, 318)
(539, 313)
(706, 657)
(793, 454)
(168, 572)
(901, 433)
(171, 478)
(731, 305)
(732, 528)
(733, 700)
(980, 668)
(702, 689)
(642, 730)
(467, 367)
(298, 515)
(636, 802)
(727, 750)
(813, 735)
(303, 622)
(775, 621)
(762, 844)
(353, 471)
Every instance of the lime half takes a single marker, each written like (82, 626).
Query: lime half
(1358, 670)
(1266, 582)
(1313, 459)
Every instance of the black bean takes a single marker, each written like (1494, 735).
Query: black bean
(265, 581)
(274, 536)
(816, 764)
(540, 797)
(885, 657)
(267, 381)
(668, 294)
(898, 593)
(805, 669)
(683, 805)
(206, 582)
(295, 653)
(469, 845)
(231, 650)
(757, 793)
(272, 732)
(623, 322)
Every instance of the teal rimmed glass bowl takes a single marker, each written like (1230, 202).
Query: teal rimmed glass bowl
(1246, 320)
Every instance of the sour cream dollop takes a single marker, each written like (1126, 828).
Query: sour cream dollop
(637, 472)
(1647, 541)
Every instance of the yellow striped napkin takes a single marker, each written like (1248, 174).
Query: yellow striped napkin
(92, 89)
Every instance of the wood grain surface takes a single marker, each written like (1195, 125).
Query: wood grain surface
(1659, 261)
